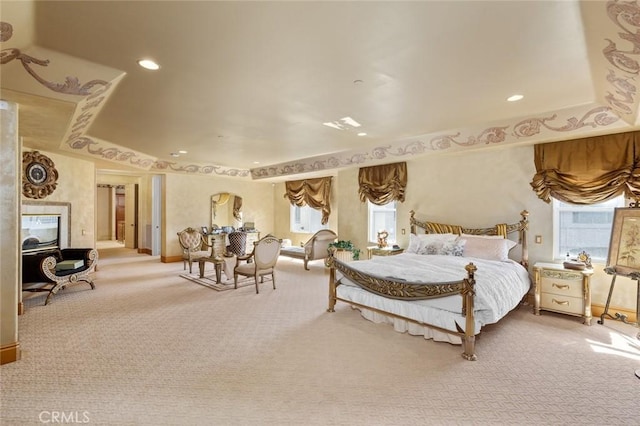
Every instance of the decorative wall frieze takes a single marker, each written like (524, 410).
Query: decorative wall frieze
(569, 124)
(104, 150)
(86, 112)
(622, 83)
(209, 169)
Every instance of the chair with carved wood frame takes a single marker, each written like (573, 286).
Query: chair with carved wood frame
(264, 255)
(192, 243)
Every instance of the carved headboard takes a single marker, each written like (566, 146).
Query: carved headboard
(501, 229)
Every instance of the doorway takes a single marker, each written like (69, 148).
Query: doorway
(117, 215)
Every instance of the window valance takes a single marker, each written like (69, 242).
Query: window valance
(315, 193)
(590, 170)
(383, 184)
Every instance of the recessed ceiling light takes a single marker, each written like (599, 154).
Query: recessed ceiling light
(182, 151)
(148, 64)
(256, 162)
(362, 134)
(343, 124)
(514, 98)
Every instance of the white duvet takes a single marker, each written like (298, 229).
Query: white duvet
(500, 286)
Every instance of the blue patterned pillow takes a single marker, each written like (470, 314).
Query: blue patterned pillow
(454, 248)
(446, 248)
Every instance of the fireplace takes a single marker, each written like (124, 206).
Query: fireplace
(45, 226)
(40, 232)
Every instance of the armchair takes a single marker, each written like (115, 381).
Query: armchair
(264, 255)
(191, 242)
(315, 248)
(52, 271)
(237, 243)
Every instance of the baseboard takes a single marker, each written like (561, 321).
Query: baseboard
(597, 310)
(11, 353)
(144, 251)
(170, 259)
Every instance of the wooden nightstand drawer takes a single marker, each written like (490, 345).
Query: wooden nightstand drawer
(565, 288)
(562, 290)
(559, 303)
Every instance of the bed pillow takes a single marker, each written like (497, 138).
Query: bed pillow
(414, 244)
(487, 248)
(499, 237)
(417, 243)
(446, 246)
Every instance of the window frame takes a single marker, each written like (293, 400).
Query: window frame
(559, 206)
(296, 210)
(372, 235)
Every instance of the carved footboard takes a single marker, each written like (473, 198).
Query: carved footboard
(401, 289)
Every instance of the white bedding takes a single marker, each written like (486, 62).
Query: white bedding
(500, 286)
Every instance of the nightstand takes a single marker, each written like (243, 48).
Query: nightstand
(562, 290)
(387, 251)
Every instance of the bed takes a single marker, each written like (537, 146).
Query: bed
(448, 284)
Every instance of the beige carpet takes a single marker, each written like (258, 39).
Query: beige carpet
(148, 347)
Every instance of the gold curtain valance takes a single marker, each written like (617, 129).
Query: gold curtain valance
(590, 170)
(383, 184)
(315, 193)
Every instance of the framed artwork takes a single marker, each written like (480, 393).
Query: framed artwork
(205, 230)
(624, 248)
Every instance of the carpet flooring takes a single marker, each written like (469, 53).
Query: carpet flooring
(148, 347)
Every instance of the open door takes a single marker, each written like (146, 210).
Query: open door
(131, 215)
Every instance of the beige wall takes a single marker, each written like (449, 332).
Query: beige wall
(187, 202)
(76, 185)
(10, 260)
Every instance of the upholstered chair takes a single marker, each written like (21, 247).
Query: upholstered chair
(315, 248)
(238, 243)
(192, 243)
(264, 255)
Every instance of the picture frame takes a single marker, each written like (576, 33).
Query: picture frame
(624, 246)
(205, 230)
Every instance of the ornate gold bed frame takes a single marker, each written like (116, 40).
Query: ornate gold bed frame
(400, 289)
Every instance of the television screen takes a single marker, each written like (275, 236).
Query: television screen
(40, 232)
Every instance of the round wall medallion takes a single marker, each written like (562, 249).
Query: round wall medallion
(39, 175)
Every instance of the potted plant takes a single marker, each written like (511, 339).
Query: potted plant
(346, 247)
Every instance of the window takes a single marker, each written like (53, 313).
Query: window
(583, 227)
(306, 220)
(382, 218)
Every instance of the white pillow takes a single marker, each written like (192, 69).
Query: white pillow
(414, 244)
(487, 248)
(482, 236)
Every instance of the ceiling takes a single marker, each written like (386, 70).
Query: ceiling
(245, 87)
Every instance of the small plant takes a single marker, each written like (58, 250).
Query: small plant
(347, 245)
